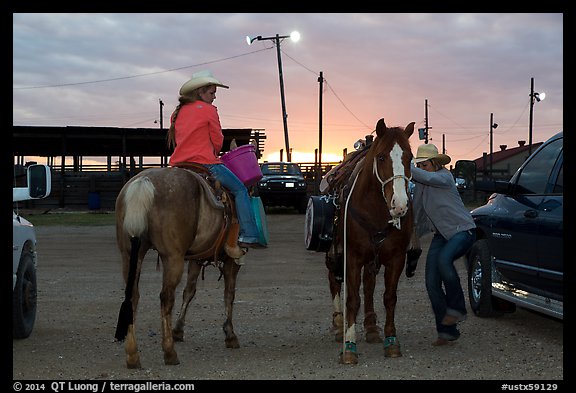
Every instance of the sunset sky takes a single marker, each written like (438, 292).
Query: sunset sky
(113, 69)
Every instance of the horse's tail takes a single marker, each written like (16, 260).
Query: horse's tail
(126, 314)
(138, 201)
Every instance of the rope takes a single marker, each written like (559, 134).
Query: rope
(345, 297)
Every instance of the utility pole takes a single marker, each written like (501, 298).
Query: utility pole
(491, 142)
(426, 121)
(531, 116)
(161, 115)
(294, 36)
(534, 96)
(284, 115)
(492, 127)
(319, 172)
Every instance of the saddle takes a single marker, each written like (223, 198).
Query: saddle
(338, 183)
(220, 198)
(343, 174)
(339, 186)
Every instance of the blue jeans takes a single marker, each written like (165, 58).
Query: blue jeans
(440, 271)
(248, 228)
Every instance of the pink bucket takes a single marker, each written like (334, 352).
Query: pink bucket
(243, 163)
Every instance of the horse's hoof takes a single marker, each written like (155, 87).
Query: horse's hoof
(133, 361)
(349, 355)
(373, 337)
(392, 353)
(349, 358)
(232, 343)
(171, 360)
(134, 365)
(178, 335)
(392, 347)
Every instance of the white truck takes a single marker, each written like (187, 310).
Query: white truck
(24, 290)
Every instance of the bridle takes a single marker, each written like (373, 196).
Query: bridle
(394, 220)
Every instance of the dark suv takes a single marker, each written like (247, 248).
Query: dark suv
(283, 184)
(517, 259)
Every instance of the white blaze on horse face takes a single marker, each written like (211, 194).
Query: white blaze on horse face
(399, 202)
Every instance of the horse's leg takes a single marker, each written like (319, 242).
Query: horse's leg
(353, 278)
(337, 318)
(131, 346)
(370, 318)
(188, 294)
(391, 277)
(231, 269)
(173, 267)
(131, 349)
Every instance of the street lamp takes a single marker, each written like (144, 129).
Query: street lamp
(294, 36)
(534, 96)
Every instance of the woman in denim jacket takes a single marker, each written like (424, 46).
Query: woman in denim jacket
(438, 208)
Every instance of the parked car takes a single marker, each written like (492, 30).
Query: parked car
(517, 259)
(24, 258)
(283, 184)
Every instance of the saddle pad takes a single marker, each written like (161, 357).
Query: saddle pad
(260, 214)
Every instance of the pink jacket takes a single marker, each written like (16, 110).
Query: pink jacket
(199, 135)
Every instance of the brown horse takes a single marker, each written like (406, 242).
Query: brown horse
(173, 211)
(373, 228)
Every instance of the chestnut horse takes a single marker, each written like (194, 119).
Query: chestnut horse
(173, 211)
(373, 228)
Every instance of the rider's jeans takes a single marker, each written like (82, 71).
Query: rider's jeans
(248, 228)
(440, 271)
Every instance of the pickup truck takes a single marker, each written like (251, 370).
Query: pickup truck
(24, 258)
(283, 184)
(518, 257)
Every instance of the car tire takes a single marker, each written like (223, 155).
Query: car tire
(480, 280)
(24, 297)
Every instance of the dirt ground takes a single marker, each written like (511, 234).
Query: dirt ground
(282, 317)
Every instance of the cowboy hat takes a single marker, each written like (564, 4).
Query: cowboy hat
(200, 79)
(428, 151)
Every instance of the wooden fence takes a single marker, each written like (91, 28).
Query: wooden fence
(97, 189)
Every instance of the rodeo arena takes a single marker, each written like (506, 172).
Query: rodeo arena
(161, 297)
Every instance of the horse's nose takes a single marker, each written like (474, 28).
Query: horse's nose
(399, 207)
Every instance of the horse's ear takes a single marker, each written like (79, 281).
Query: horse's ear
(409, 129)
(380, 127)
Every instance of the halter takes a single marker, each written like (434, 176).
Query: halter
(395, 220)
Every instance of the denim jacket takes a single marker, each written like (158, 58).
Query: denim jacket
(437, 204)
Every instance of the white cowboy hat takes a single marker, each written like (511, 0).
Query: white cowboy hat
(428, 151)
(200, 79)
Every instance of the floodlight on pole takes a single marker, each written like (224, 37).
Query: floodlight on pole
(294, 37)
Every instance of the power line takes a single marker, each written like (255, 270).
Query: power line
(329, 86)
(192, 66)
(138, 75)
(345, 107)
